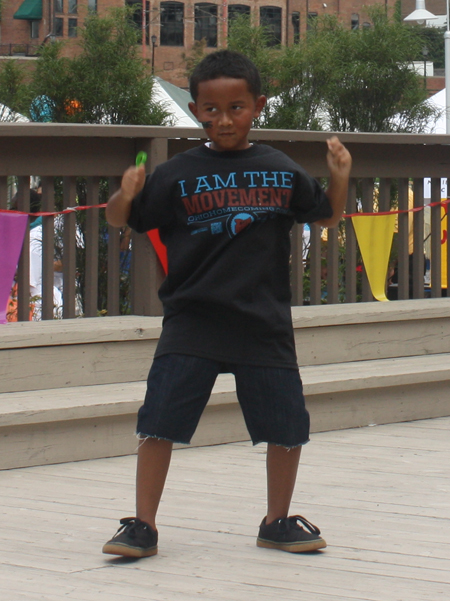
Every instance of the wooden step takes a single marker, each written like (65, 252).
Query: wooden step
(85, 422)
(107, 350)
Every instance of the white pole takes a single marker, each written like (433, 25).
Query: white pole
(447, 73)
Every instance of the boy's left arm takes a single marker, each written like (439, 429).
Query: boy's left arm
(339, 163)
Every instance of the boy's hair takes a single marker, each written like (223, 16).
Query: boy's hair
(225, 63)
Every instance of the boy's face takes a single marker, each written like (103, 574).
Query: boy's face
(226, 108)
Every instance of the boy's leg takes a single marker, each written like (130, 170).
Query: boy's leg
(285, 421)
(277, 530)
(282, 466)
(178, 389)
(152, 466)
(138, 536)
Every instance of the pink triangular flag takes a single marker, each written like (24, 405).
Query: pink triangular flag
(12, 232)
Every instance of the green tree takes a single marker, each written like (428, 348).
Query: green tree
(14, 96)
(371, 86)
(52, 85)
(106, 83)
(340, 79)
(300, 79)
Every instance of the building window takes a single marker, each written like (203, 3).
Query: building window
(73, 28)
(73, 7)
(296, 27)
(34, 29)
(270, 18)
(172, 24)
(92, 5)
(206, 23)
(355, 21)
(59, 27)
(312, 18)
(367, 25)
(235, 10)
(59, 6)
(137, 18)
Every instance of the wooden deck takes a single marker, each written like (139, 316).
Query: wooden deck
(381, 496)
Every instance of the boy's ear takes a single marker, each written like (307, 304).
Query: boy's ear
(259, 105)
(193, 108)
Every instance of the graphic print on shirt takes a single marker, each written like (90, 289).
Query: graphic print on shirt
(215, 204)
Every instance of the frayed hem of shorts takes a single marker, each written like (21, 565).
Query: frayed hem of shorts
(143, 437)
(288, 447)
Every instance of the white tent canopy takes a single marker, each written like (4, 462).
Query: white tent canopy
(176, 101)
(438, 101)
(9, 116)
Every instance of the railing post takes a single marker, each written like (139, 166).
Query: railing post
(3, 192)
(367, 205)
(92, 246)
(69, 248)
(48, 247)
(113, 286)
(350, 246)
(23, 271)
(315, 265)
(384, 195)
(403, 240)
(436, 247)
(418, 228)
(146, 271)
(297, 264)
(333, 266)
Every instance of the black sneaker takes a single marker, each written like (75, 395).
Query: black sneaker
(287, 535)
(134, 538)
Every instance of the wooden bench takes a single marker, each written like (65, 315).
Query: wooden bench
(70, 390)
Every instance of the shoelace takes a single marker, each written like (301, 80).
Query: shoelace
(131, 525)
(291, 522)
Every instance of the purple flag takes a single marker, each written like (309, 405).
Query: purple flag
(12, 232)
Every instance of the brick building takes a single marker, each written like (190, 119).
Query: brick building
(170, 27)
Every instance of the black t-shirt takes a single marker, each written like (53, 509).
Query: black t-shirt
(225, 218)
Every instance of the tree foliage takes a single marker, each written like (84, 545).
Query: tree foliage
(340, 79)
(106, 83)
(371, 85)
(14, 97)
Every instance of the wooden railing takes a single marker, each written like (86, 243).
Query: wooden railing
(82, 165)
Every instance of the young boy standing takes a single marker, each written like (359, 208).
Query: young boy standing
(225, 211)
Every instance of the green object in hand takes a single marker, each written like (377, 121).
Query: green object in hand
(141, 158)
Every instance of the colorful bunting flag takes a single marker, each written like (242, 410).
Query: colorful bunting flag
(12, 232)
(375, 234)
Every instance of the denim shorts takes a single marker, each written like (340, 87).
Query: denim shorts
(179, 386)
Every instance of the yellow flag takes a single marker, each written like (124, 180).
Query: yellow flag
(374, 234)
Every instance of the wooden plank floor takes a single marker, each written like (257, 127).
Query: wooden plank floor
(381, 496)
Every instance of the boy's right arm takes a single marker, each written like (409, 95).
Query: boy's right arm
(119, 205)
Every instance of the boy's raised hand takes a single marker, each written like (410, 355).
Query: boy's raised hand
(119, 205)
(338, 158)
(132, 182)
(339, 163)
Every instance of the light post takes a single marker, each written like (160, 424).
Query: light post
(425, 54)
(153, 38)
(421, 15)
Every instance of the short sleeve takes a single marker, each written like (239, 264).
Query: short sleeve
(153, 206)
(309, 202)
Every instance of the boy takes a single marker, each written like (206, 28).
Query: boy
(224, 211)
